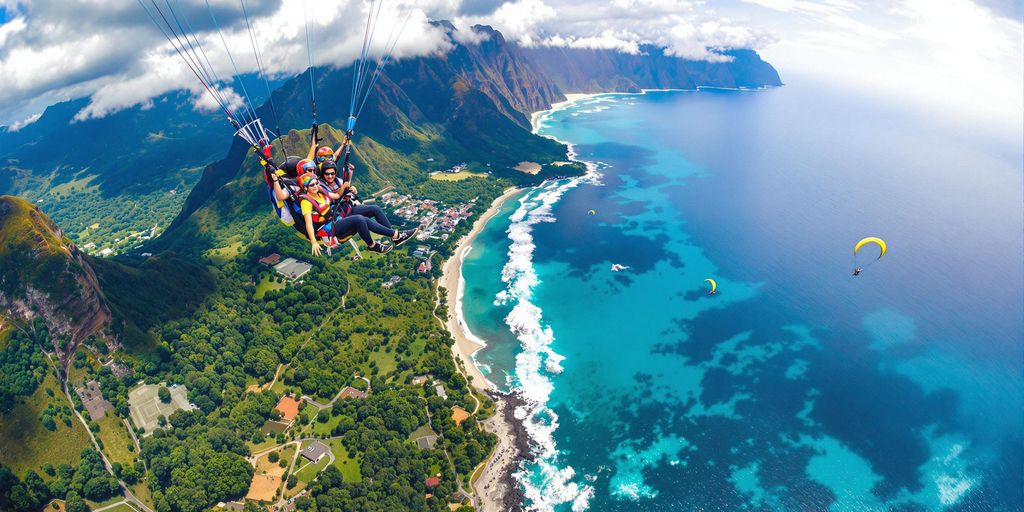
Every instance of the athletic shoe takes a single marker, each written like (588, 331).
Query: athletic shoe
(381, 248)
(405, 236)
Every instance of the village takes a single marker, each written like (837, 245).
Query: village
(295, 443)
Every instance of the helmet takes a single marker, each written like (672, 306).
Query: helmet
(324, 153)
(304, 166)
(327, 165)
(307, 179)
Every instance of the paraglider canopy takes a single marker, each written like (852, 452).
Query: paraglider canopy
(871, 240)
(592, 212)
(714, 285)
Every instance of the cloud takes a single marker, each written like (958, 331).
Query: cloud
(955, 54)
(24, 122)
(687, 29)
(110, 51)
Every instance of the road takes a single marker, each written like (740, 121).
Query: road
(128, 496)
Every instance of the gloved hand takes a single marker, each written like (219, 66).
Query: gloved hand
(346, 175)
(267, 151)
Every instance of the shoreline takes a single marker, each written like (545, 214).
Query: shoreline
(451, 280)
(495, 490)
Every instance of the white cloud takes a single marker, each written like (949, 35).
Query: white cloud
(24, 122)
(687, 28)
(953, 54)
(110, 51)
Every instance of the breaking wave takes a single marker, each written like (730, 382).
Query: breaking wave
(544, 482)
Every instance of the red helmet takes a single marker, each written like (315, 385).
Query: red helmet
(324, 152)
(305, 165)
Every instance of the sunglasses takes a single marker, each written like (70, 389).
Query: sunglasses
(330, 174)
(325, 157)
(312, 184)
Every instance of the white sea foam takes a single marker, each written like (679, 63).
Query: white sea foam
(546, 484)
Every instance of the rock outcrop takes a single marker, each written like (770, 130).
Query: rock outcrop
(44, 275)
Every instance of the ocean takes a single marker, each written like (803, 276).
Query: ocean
(797, 386)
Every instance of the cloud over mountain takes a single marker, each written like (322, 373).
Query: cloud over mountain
(110, 51)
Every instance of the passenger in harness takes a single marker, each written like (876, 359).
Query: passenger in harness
(330, 214)
(322, 221)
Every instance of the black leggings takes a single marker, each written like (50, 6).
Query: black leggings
(371, 211)
(354, 224)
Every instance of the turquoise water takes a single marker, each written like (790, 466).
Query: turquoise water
(798, 386)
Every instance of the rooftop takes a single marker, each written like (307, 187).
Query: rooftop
(315, 450)
(270, 259)
(292, 268)
(351, 392)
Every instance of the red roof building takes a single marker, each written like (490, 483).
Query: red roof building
(433, 481)
(270, 259)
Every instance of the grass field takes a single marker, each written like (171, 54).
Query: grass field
(349, 467)
(385, 361)
(420, 432)
(116, 440)
(93, 505)
(267, 284)
(456, 176)
(26, 444)
(326, 428)
(124, 507)
(142, 492)
(222, 255)
(267, 443)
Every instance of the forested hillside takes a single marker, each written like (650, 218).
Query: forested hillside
(217, 369)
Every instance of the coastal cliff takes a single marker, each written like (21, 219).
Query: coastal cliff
(590, 71)
(44, 275)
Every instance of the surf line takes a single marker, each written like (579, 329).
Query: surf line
(544, 483)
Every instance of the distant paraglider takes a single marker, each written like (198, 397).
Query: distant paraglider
(592, 212)
(714, 286)
(857, 269)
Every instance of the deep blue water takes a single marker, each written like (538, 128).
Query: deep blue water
(798, 386)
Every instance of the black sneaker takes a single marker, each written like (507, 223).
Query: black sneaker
(381, 248)
(405, 236)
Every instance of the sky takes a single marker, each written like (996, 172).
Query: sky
(961, 55)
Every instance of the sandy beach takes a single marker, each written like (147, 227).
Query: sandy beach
(464, 346)
(570, 98)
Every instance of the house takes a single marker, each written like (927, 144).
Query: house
(292, 268)
(426, 442)
(315, 451)
(420, 380)
(424, 267)
(440, 391)
(351, 392)
(432, 482)
(392, 281)
(289, 408)
(234, 506)
(270, 259)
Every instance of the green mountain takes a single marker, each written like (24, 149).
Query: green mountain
(234, 337)
(44, 276)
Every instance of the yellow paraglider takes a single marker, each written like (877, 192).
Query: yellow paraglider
(869, 240)
(592, 212)
(714, 286)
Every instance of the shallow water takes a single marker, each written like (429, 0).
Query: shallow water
(798, 386)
